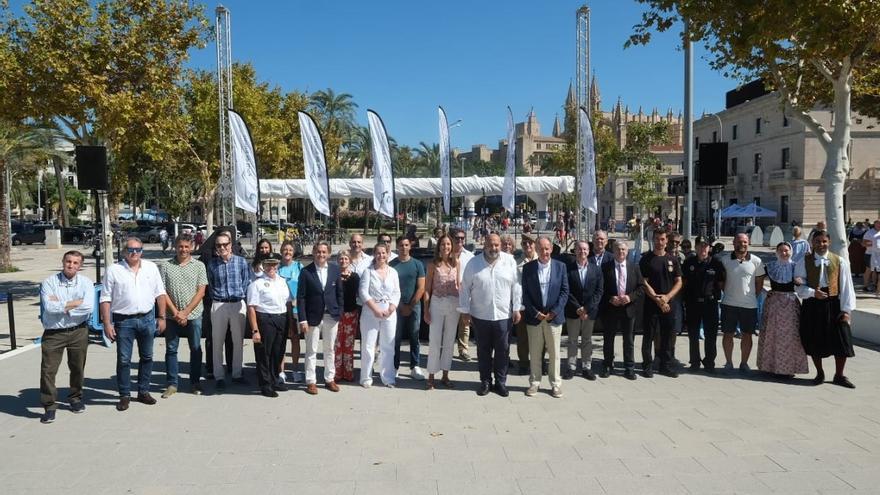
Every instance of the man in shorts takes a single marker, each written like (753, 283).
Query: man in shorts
(871, 241)
(743, 281)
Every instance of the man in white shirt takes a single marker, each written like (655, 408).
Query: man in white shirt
(131, 289)
(743, 281)
(871, 241)
(360, 260)
(459, 238)
(491, 298)
(828, 301)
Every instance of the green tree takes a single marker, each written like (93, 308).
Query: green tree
(813, 53)
(115, 68)
(336, 118)
(18, 145)
(647, 191)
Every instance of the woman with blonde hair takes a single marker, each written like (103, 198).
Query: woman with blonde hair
(379, 289)
(440, 306)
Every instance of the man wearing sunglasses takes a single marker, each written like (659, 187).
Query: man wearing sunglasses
(228, 279)
(464, 328)
(131, 288)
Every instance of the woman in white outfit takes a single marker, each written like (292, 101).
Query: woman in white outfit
(380, 291)
(441, 309)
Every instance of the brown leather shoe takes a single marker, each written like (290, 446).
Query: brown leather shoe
(146, 399)
(122, 405)
(312, 389)
(332, 386)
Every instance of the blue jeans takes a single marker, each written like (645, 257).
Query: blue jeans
(193, 333)
(128, 330)
(408, 326)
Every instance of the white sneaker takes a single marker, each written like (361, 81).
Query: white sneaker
(367, 384)
(417, 373)
(556, 392)
(281, 377)
(533, 389)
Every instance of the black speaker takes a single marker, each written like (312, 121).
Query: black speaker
(712, 169)
(91, 168)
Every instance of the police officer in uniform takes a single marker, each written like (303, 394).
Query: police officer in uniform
(268, 309)
(662, 274)
(703, 276)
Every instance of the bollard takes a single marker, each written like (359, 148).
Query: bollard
(11, 319)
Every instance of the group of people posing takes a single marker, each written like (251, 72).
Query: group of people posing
(383, 297)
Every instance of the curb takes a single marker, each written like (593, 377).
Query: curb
(18, 351)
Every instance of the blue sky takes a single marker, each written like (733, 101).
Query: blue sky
(402, 58)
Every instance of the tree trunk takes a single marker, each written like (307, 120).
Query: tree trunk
(62, 195)
(837, 166)
(5, 257)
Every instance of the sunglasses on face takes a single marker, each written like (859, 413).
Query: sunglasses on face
(135, 250)
(223, 245)
(459, 239)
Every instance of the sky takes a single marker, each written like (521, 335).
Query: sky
(403, 58)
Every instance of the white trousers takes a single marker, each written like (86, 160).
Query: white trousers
(223, 315)
(544, 334)
(584, 330)
(383, 331)
(327, 329)
(441, 339)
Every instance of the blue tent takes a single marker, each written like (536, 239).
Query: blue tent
(754, 211)
(731, 211)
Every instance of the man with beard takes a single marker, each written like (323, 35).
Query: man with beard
(491, 298)
(743, 281)
(828, 301)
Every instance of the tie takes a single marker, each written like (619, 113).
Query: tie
(621, 280)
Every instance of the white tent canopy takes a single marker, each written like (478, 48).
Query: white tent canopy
(419, 187)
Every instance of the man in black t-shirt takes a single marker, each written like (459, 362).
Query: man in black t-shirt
(703, 276)
(662, 273)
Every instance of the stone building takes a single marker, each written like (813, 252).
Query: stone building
(775, 161)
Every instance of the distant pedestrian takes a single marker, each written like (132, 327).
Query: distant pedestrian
(67, 299)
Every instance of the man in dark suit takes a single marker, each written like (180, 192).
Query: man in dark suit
(319, 303)
(585, 285)
(545, 293)
(599, 255)
(621, 302)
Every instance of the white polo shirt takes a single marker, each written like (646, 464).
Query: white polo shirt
(739, 281)
(269, 295)
(129, 292)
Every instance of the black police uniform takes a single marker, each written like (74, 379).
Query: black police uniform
(702, 291)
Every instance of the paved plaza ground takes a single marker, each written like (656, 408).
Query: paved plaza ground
(697, 434)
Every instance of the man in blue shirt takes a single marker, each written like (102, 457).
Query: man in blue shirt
(68, 299)
(228, 279)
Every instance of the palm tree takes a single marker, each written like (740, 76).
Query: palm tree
(336, 113)
(429, 156)
(357, 151)
(17, 144)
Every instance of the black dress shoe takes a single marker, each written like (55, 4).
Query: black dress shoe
(842, 381)
(146, 399)
(268, 392)
(648, 373)
(279, 387)
(694, 367)
(671, 373)
(629, 374)
(588, 374)
(122, 405)
(605, 373)
(819, 378)
(484, 389)
(567, 374)
(501, 389)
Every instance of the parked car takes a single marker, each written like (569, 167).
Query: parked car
(146, 233)
(30, 234)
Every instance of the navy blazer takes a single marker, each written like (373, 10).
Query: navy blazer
(313, 301)
(585, 295)
(558, 292)
(634, 289)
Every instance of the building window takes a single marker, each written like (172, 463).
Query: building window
(629, 187)
(735, 129)
(70, 180)
(629, 165)
(785, 120)
(696, 142)
(783, 209)
(758, 125)
(756, 200)
(733, 166)
(714, 136)
(537, 146)
(786, 158)
(757, 163)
